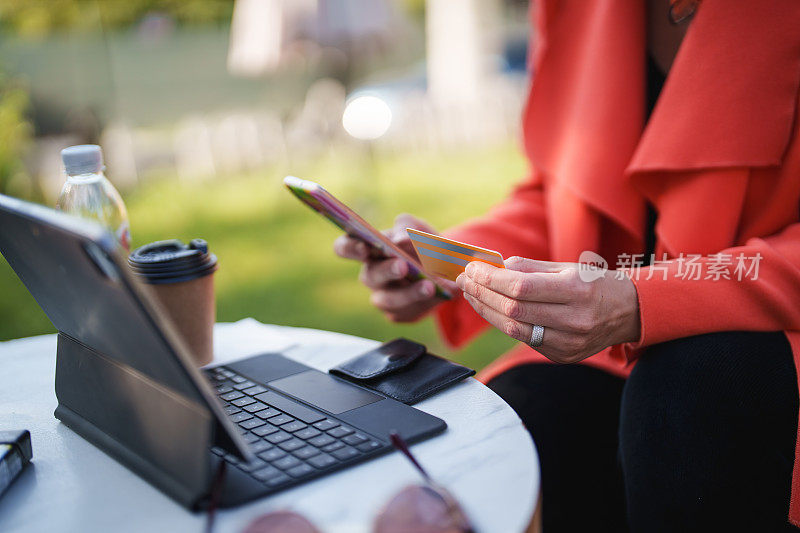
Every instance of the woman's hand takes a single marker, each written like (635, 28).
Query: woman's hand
(400, 299)
(580, 317)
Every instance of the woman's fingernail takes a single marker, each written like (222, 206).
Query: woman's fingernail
(460, 281)
(398, 269)
(426, 289)
(361, 249)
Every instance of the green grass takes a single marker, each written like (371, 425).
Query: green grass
(275, 256)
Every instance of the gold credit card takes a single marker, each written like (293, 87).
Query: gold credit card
(448, 258)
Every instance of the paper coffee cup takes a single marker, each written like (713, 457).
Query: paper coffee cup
(181, 277)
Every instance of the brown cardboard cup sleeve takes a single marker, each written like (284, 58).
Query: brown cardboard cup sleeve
(181, 277)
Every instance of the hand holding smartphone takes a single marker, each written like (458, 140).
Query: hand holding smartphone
(317, 198)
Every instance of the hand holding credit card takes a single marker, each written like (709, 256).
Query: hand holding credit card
(448, 258)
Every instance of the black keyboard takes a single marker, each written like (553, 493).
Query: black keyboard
(292, 441)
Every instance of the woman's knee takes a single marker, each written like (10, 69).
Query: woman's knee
(572, 412)
(721, 376)
(708, 424)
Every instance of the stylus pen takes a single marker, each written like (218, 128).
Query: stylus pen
(400, 444)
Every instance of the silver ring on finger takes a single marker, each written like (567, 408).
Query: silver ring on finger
(537, 336)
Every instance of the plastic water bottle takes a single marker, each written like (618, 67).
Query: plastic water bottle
(87, 193)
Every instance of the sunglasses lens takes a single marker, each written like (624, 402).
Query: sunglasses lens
(421, 509)
(281, 522)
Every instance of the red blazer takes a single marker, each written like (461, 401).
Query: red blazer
(719, 159)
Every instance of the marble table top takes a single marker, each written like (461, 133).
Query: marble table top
(486, 457)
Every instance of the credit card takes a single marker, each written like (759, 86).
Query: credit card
(448, 258)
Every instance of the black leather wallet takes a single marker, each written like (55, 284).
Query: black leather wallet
(402, 370)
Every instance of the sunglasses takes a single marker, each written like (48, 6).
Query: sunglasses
(424, 508)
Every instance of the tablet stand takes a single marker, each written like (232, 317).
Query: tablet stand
(155, 432)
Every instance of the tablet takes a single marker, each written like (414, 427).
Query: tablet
(314, 196)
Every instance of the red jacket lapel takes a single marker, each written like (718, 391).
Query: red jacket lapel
(730, 98)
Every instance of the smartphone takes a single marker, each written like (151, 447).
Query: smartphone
(314, 196)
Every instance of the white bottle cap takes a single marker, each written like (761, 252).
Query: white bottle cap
(82, 159)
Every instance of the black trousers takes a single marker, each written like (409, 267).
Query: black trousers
(700, 437)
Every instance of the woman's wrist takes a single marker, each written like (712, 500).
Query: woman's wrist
(630, 328)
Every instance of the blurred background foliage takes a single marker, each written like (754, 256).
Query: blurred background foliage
(15, 136)
(199, 124)
(37, 19)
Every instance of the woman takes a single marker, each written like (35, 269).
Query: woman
(683, 413)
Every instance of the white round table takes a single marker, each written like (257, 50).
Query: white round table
(486, 457)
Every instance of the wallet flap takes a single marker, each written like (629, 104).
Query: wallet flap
(402, 370)
(381, 361)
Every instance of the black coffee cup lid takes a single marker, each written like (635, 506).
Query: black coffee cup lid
(172, 261)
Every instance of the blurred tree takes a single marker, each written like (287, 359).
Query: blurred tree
(415, 9)
(40, 18)
(15, 136)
